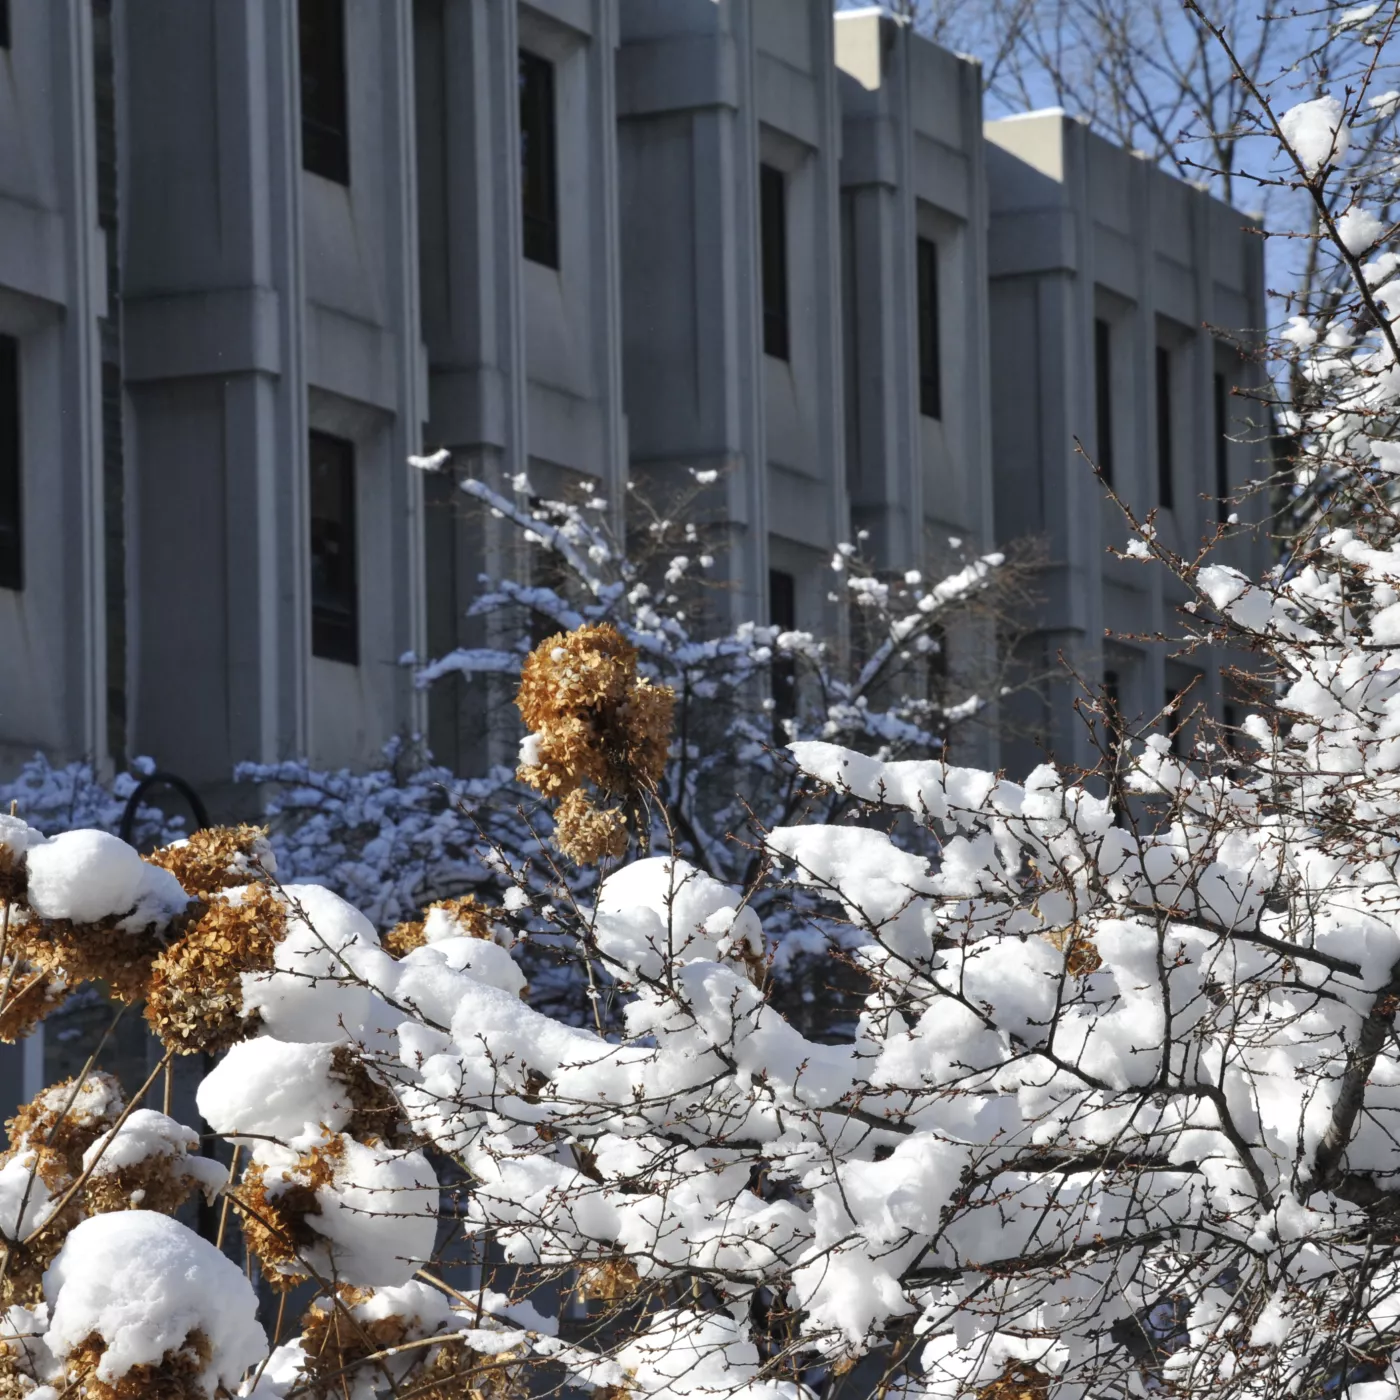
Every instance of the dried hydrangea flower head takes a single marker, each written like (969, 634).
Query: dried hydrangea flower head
(585, 833)
(29, 990)
(99, 912)
(149, 1162)
(25, 1360)
(49, 1137)
(609, 1280)
(16, 837)
(275, 1206)
(339, 1334)
(328, 1207)
(95, 911)
(28, 994)
(142, 1308)
(63, 1121)
(1018, 1382)
(594, 723)
(466, 917)
(195, 997)
(177, 1376)
(218, 858)
(376, 1116)
(1081, 955)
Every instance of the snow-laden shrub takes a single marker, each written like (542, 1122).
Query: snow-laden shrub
(392, 839)
(1112, 1117)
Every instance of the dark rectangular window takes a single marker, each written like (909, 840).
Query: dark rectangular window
(11, 465)
(325, 125)
(937, 660)
(335, 594)
(1112, 717)
(1103, 397)
(1113, 706)
(1173, 718)
(936, 673)
(772, 192)
(539, 160)
(1165, 486)
(930, 376)
(1222, 448)
(4, 24)
(782, 614)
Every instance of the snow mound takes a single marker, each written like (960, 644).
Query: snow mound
(147, 1134)
(1316, 131)
(663, 909)
(145, 1284)
(272, 1088)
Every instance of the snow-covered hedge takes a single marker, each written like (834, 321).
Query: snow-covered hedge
(1113, 1116)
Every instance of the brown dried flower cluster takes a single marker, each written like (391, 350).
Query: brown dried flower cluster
(27, 995)
(62, 1122)
(596, 724)
(57, 1127)
(1081, 956)
(609, 1280)
(470, 918)
(596, 720)
(337, 1343)
(1017, 1382)
(585, 833)
(217, 858)
(194, 958)
(275, 1224)
(375, 1114)
(98, 952)
(18, 1379)
(403, 938)
(177, 1376)
(195, 998)
(454, 1370)
(161, 1182)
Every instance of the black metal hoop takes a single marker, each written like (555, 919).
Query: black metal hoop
(161, 779)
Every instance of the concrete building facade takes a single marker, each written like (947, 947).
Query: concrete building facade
(1120, 299)
(729, 138)
(913, 177)
(53, 300)
(255, 254)
(519, 278)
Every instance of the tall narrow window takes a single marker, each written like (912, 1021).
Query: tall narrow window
(782, 614)
(1230, 726)
(335, 594)
(539, 160)
(1112, 720)
(325, 125)
(4, 24)
(772, 190)
(1222, 448)
(11, 532)
(937, 673)
(1113, 737)
(930, 376)
(1103, 397)
(1173, 718)
(1165, 485)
